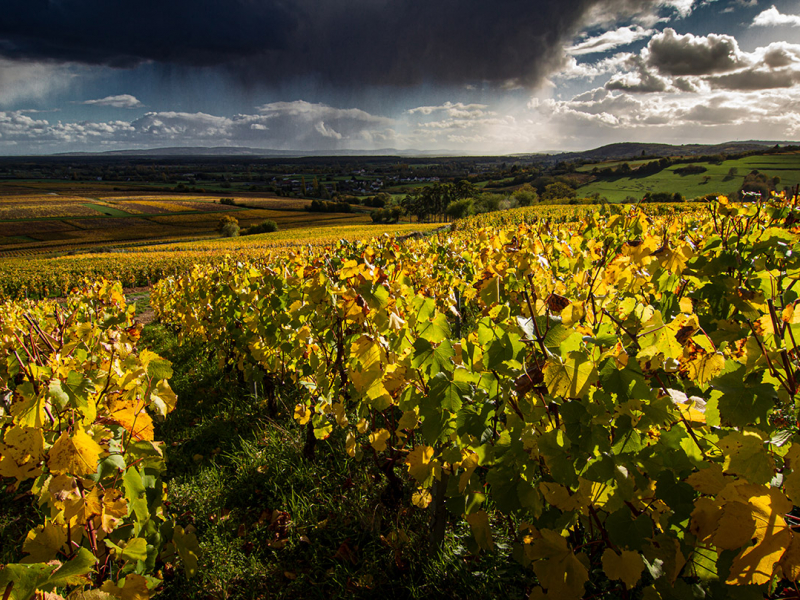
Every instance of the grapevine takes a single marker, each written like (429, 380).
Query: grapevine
(77, 431)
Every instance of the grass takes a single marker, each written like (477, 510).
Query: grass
(785, 166)
(274, 525)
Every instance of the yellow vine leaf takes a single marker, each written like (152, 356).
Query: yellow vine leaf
(43, 543)
(23, 444)
(755, 564)
(77, 454)
(20, 472)
(558, 569)
(790, 562)
(704, 368)
(133, 588)
(626, 567)
(705, 518)
(302, 414)
(90, 595)
(676, 259)
(469, 464)
(408, 420)
(421, 498)
(736, 526)
(133, 417)
(340, 415)
(65, 495)
(378, 439)
(350, 444)
(481, 530)
(709, 481)
(746, 456)
(559, 496)
(115, 508)
(420, 465)
(28, 408)
(791, 485)
(163, 398)
(572, 378)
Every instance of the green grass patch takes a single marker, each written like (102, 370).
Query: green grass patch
(273, 524)
(617, 189)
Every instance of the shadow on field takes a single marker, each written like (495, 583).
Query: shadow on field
(273, 525)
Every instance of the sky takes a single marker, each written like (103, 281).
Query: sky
(459, 76)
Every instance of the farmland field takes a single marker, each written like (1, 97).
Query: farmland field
(56, 223)
(617, 189)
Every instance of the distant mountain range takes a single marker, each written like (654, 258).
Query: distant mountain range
(618, 151)
(257, 152)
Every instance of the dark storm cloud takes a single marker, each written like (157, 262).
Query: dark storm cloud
(125, 33)
(343, 41)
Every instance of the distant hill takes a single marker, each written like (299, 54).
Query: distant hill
(633, 150)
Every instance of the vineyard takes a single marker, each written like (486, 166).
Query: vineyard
(563, 403)
(147, 263)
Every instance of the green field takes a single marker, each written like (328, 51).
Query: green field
(785, 166)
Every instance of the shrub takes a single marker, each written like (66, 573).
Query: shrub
(267, 226)
(690, 170)
(227, 220)
(230, 230)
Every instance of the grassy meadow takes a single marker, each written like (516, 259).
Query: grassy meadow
(617, 189)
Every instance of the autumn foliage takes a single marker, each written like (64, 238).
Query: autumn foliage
(77, 431)
(620, 388)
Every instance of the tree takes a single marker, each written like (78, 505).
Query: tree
(230, 230)
(558, 191)
(267, 226)
(526, 195)
(623, 169)
(228, 226)
(732, 172)
(458, 209)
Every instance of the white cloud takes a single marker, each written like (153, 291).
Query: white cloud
(455, 110)
(601, 116)
(31, 80)
(287, 125)
(645, 13)
(459, 125)
(675, 54)
(772, 17)
(609, 40)
(310, 112)
(572, 69)
(326, 131)
(683, 7)
(693, 64)
(121, 101)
